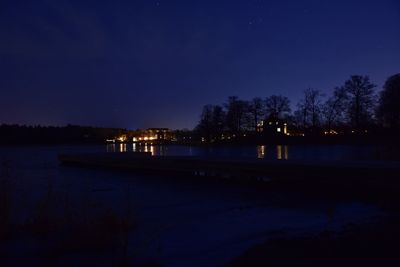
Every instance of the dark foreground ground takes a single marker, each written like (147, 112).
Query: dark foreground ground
(358, 245)
(374, 244)
(367, 244)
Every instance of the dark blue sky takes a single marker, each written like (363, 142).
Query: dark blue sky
(155, 63)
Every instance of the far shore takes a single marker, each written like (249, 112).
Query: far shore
(276, 140)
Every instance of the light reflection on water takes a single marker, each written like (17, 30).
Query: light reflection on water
(260, 152)
(155, 150)
(282, 152)
(279, 152)
(122, 147)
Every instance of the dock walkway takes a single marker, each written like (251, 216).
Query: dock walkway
(376, 174)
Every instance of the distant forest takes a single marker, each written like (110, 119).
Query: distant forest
(354, 108)
(70, 134)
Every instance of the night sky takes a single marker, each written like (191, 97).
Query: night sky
(152, 63)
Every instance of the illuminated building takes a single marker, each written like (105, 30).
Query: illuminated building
(153, 135)
(273, 127)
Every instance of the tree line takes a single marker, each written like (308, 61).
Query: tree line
(352, 108)
(355, 107)
(22, 134)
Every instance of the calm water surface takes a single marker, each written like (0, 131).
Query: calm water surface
(281, 152)
(177, 223)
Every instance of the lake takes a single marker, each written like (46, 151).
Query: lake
(281, 152)
(172, 222)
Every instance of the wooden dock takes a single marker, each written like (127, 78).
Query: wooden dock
(375, 174)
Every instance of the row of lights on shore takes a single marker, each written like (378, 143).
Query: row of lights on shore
(134, 139)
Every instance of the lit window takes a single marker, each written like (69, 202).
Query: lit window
(278, 130)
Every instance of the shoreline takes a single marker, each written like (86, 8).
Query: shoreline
(243, 141)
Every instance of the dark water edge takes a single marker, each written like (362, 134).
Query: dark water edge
(387, 150)
(61, 216)
(281, 152)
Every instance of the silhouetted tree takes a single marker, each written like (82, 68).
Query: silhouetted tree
(388, 110)
(361, 103)
(335, 107)
(256, 110)
(211, 124)
(206, 119)
(308, 113)
(218, 121)
(277, 106)
(301, 115)
(236, 114)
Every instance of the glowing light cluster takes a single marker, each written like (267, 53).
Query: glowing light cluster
(122, 138)
(331, 132)
(144, 138)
